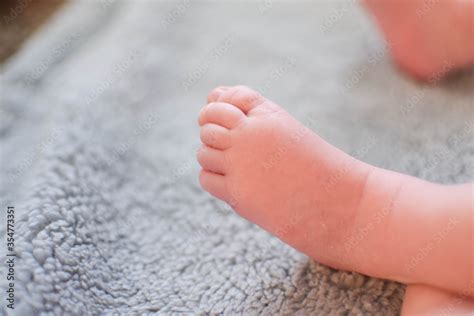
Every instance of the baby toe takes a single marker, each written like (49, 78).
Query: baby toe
(212, 159)
(214, 184)
(215, 136)
(223, 114)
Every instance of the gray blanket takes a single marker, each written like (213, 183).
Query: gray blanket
(98, 136)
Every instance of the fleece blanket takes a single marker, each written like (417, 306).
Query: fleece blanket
(98, 136)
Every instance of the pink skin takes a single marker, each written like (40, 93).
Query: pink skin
(429, 38)
(340, 211)
(426, 300)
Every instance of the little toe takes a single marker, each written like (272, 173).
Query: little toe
(223, 114)
(212, 159)
(215, 136)
(214, 184)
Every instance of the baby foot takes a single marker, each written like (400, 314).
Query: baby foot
(428, 38)
(340, 211)
(277, 173)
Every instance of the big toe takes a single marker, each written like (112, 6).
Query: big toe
(220, 113)
(244, 98)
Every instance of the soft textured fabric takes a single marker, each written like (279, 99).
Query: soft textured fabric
(98, 136)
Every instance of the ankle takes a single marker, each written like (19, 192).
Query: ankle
(372, 227)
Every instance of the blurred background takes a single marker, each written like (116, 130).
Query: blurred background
(99, 107)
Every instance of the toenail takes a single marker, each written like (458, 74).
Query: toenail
(209, 105)
(206, 107)
(219, 91)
